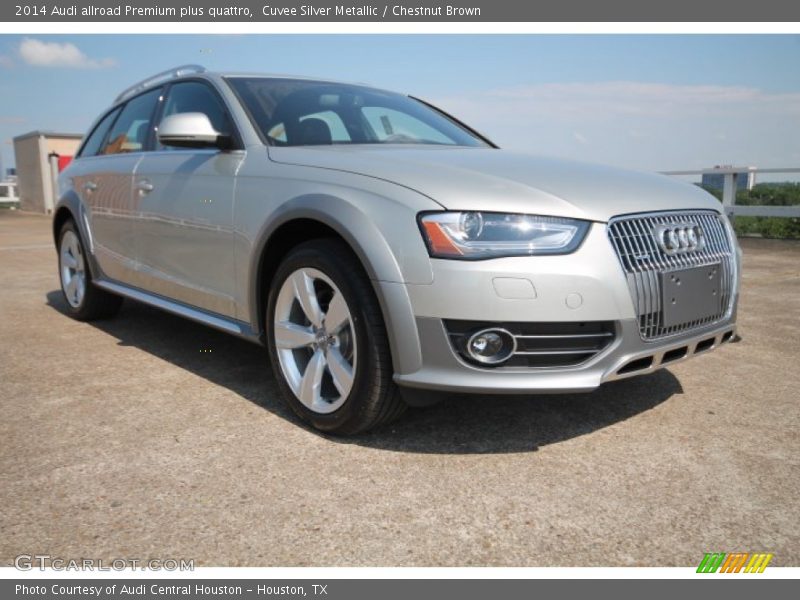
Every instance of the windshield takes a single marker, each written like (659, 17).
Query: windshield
(292, 112)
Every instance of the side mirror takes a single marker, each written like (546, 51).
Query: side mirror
(191, 130)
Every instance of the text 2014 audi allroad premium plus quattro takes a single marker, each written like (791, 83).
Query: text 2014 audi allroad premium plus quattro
(383, 250)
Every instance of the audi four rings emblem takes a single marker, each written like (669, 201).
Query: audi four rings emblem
(680, 238)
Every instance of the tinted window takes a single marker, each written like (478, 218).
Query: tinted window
(130, 132)
(319, 128)
(95, 139)
(292, 112)
(333, 123)
(193, 96)
(392, 125)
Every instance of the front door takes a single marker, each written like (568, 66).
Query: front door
(184, 204)
(184, 226)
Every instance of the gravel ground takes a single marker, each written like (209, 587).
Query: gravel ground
(150, 436)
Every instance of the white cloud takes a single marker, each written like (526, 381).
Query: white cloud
(6, 62)
(11, 120)
(38, 53)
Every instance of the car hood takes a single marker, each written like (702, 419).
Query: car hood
(499, 180)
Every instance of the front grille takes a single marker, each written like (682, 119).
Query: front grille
(543, 345)
(644, 260)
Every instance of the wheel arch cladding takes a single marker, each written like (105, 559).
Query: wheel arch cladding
(61, 216)
(302, 220)
(69, 208)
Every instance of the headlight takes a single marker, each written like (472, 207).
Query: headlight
(477, 235)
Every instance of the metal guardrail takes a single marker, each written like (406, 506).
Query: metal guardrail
(10, 197)
(729, 181)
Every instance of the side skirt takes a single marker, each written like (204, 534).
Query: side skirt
(226, 324)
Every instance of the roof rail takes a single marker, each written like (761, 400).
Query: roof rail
(159, 78)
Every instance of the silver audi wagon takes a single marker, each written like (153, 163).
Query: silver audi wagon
(382, 250)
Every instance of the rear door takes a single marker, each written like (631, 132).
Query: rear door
(104, 177)
(185, 200)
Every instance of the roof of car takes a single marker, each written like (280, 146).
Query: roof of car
(188, 71)
(274, 76)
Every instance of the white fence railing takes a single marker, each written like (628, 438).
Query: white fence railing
(8, 194)
(729, 187)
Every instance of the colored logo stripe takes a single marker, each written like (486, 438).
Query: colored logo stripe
(711, 562)
(733, 563)
(758, 563)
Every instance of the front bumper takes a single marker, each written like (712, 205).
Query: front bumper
(587, 286)
(627, 356)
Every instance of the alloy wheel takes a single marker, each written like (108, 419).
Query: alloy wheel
(315, 340)
(73, 273)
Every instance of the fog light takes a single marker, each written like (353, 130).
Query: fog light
(491, 346)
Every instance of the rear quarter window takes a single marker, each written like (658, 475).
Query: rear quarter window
(95, 140)
(131, 130)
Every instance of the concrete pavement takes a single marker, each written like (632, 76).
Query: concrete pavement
(151, 436)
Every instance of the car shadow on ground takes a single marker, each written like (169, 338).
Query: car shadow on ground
(461, 424)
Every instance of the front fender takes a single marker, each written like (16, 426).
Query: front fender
(386, 240)
(397, 255)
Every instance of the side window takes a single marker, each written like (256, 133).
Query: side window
(194, 96)
(391, 125)
(129, 133)
(4, 191)
(95, 139)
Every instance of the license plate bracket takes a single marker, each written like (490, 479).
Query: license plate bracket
(689, 295)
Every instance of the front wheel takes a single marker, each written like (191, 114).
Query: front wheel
(327, 341)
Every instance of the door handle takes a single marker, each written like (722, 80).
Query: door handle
(144, 187)
(89, 186)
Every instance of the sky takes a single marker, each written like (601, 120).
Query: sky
(652, 102)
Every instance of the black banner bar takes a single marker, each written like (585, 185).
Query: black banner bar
(403, 11)
(396, 589)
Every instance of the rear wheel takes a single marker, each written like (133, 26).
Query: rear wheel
(85, 302)
(327, 341)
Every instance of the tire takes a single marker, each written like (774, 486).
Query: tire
(85, 301)
(327, 341)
